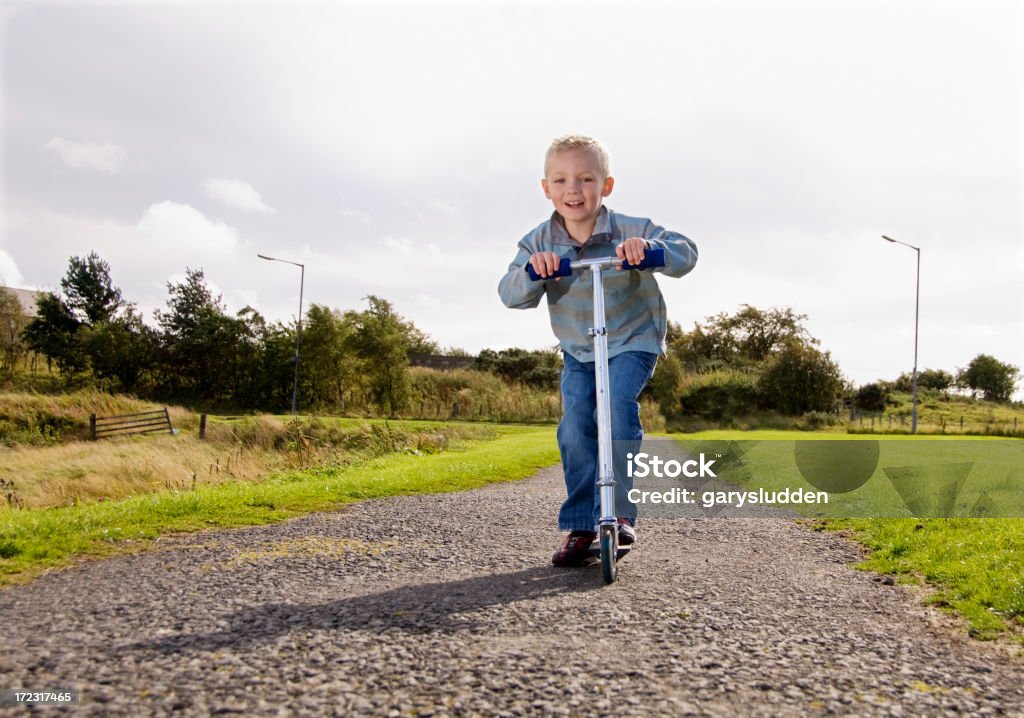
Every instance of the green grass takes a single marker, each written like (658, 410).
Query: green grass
(32, 541)
(943, 412)
(973, 566)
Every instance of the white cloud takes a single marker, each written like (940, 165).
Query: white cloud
(84, 155)
(422, 251)
(177, 225)
(10, 275)
(236, 194)
(246, 297)
(356, 214)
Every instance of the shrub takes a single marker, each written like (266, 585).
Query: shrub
(799, 380)
(718, 395)
(664, 385)
(872, 397)
(817, 419)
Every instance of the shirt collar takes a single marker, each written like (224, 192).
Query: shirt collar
(602, 229)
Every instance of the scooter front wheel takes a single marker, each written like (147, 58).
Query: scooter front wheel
(609, 552)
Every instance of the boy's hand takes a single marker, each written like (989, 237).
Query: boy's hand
(632, 250)
(545, 264)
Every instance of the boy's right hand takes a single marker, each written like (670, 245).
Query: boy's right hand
(545, 264)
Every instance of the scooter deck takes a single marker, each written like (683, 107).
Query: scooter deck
(595, 550)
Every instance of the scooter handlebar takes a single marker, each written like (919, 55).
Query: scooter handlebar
(564, 270)
(653, 258)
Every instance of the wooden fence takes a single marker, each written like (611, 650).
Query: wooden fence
(143, 422)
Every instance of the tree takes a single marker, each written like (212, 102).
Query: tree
(799, 380)
(276, 370)
(382, 339)
(54, 334)
(935, 379)
(996, 380)
(328, 368)
(11, 324)
(745, 339)
(88, 290)
(121, 349)
(203, 349)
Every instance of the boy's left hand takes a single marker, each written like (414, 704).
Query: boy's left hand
(632, 250)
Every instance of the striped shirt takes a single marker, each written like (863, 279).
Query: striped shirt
(634, 308)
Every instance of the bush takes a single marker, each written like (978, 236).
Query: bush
(540, 369)
(817, 419)
(872, 397)
(664, 385)
(718, 395)
(935, 379)
(801, 379)
(478, 395)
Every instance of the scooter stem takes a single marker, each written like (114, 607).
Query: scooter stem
(606, 473)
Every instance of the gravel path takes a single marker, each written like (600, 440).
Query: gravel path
(447, 605)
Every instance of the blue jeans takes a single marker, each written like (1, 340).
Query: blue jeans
(628, 373)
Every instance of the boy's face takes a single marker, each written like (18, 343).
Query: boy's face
(575, 185)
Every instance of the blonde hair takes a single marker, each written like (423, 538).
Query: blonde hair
(578, 142)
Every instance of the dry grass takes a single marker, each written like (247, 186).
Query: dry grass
(41, 419)
(242, 449)
(84, 472)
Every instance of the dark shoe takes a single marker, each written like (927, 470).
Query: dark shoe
(627, 534)
(575, 549)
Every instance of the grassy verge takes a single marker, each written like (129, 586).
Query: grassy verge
(32, 541)
(248, 448)
(972, 566)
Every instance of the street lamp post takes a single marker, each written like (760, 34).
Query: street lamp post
(298, 330)
(917, 314)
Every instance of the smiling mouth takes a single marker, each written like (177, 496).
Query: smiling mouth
(574, 205)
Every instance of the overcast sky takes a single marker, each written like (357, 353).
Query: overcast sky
(396, 149)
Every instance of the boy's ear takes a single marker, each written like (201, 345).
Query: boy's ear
(608, 184)
(544, 184)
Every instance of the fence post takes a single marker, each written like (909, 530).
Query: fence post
(961, 422)
(167, 416)
(92, 427)
(202, 426)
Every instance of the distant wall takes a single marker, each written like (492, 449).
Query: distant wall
(27, 297)
(437, 361)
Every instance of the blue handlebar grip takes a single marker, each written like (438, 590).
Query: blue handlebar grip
(652, 258)
(564, 270)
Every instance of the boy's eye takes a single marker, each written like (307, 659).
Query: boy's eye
(559, 181)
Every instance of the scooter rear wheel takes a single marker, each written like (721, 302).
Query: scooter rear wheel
(609, 551)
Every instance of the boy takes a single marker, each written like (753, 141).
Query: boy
(576, 180)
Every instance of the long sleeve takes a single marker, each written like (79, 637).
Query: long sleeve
(516, 289)
(680, 251)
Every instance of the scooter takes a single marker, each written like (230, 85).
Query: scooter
(608, 527)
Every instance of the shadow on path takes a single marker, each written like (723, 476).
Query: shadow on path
(416, 608)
